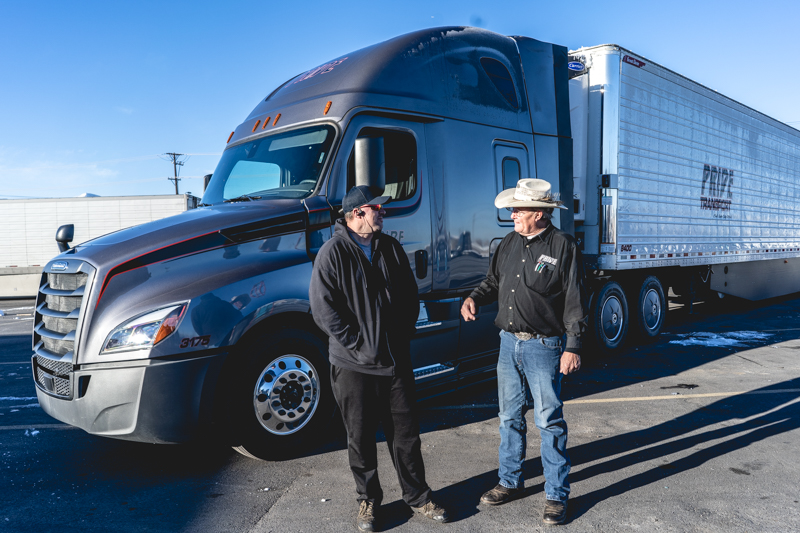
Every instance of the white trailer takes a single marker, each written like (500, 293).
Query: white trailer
(676, 185)
(29, 227)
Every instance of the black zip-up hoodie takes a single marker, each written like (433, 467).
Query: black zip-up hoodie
(368, 310)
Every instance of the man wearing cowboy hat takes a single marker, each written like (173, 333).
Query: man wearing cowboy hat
(536, 275)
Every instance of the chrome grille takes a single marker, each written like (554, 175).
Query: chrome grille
(60, 386)
(65, 304)
(67, 282)
(58, 368)
(56, 326)
(56, 346)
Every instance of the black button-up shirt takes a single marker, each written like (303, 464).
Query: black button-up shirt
(538, 283)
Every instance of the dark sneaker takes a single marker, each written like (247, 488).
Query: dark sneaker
(433, 511)
(499, 494)
(366, 517)
(554, 512)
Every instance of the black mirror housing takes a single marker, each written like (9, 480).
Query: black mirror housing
(64, 236)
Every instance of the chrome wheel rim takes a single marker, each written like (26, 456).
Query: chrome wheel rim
(286, 395)
(612, 318)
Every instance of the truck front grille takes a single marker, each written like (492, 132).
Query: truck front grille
(59, 308)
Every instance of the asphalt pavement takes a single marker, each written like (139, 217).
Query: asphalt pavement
(695, 431)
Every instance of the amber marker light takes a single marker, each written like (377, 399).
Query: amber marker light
(256, 125)
(229, 138)
(266, 122)
(169, 324)
(277, 118)
(327, 108)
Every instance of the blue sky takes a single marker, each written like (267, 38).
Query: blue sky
(92, 92)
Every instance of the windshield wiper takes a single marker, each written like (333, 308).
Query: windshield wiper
(243, 198)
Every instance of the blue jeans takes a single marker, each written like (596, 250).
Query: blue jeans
(535, 362)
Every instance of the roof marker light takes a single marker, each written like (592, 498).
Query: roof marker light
(266, 123)
(277, 117)
(327, 108)
(229, 138)
(256, 125)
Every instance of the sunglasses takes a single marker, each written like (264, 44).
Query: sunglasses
(374, 207)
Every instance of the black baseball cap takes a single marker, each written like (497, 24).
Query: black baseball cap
(362, 195)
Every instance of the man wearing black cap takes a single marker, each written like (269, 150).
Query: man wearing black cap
(364, 297)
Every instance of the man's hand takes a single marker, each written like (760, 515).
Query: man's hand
(468, 310)
(570, 362)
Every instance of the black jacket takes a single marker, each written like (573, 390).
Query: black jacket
(368, 310)
(538, 284)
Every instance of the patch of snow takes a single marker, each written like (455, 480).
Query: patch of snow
(16, 398)
(728, 339)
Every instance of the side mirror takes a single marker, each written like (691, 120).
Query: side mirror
(64, 236)
(206, 179)
(370, 162)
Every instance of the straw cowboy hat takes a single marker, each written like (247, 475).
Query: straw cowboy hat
(528, 193)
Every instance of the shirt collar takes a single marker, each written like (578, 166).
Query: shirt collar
(542, 236)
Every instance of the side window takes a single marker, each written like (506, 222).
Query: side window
(510, 166)
(400, 157)
(510, 173)
(501, 79)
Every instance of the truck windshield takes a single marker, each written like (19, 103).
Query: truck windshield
(287, 165)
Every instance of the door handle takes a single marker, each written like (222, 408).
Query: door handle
(421, 263)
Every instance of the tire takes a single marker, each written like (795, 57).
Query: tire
(650, 308)
(282, 398)
(609, 317)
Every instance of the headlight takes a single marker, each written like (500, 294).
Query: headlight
(144, 331)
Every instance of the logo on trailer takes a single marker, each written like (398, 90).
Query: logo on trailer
(716, 190)
(633, 61)
(59, 266)
(577, 66)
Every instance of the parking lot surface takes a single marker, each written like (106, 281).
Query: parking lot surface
(696, 431)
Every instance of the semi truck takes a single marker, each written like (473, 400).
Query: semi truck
(199, 324)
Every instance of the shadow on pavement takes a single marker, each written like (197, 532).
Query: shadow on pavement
(775, 418)
(650, 444)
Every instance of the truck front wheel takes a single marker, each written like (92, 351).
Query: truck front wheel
(609, 317)
(283, 399)
(650, 307)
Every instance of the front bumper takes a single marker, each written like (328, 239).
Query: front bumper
(156, 401)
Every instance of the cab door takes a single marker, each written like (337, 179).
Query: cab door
(407, 219)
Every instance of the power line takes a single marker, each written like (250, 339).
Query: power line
(176, 162)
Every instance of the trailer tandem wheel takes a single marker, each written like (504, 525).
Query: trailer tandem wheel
(650, 307)
(283, 400)
(609, 317)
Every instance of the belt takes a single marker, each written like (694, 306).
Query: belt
(528, 336)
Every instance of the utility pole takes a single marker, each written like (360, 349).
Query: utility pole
(176, 162)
